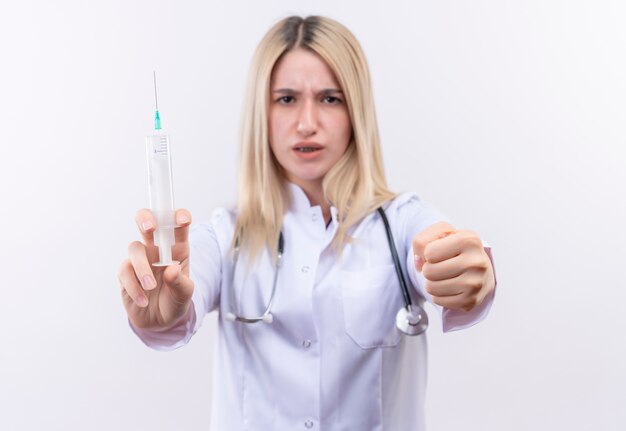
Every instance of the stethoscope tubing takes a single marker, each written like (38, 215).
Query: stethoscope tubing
(266, 316)
(411, 320)
(396, 260)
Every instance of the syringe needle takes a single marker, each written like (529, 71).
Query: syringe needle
(155, 91)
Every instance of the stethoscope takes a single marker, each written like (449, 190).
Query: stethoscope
(410, 319)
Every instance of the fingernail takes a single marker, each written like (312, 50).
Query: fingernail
(183, 219)
(148, 282)
(147, 224)
(142, 301)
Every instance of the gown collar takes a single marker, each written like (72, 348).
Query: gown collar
(300, 203)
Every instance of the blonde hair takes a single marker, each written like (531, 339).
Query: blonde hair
(356, 185)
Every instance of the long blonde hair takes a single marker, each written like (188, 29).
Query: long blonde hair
(356, 185)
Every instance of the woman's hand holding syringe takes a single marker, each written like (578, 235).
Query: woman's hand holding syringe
(157, 297)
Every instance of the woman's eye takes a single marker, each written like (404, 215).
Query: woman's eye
(331, 100)
(286, 99)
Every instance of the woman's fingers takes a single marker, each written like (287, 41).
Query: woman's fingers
(462, 292)
(166, 291)
(147, 224)
(180, 286)
(183, 221)
(138, 256)
(130, 285)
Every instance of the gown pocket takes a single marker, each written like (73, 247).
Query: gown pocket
(371, 299)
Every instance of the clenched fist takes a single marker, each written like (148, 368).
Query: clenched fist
(458, 272)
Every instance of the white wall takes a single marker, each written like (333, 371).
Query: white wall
(508, 115)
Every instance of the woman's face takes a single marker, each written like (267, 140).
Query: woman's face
(309, 124)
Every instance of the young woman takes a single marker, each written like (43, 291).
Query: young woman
(302, 272)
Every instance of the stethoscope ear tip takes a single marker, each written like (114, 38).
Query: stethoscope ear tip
(230, 317)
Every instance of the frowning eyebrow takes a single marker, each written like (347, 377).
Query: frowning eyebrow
(290, 91)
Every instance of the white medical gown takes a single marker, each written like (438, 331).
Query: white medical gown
(332, 359)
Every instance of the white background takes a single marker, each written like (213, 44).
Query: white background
(507, 115)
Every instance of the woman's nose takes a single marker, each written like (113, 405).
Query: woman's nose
(307, 119)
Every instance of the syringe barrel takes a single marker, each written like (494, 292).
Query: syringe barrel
(158, 152)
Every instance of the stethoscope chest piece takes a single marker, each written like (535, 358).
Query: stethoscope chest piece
(412, 320)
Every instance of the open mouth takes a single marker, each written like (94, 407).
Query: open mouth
(307, 149)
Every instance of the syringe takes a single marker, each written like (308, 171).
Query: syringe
(159, 153)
